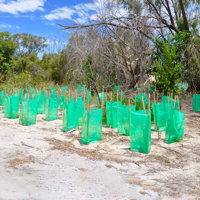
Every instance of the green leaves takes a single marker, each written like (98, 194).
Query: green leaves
(7, 49)
(27, 44)
(167, 66)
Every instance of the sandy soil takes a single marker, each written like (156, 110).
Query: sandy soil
(42, 162)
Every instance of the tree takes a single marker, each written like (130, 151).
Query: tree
(90, 67)
(171, 15)
(27, 44)
(167, 66)
(7, 49)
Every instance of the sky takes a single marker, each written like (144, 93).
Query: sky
(39, 17)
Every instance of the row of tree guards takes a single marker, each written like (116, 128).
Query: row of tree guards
(131, 117)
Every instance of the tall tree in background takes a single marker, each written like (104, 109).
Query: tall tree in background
(28, 44)
(7, 50)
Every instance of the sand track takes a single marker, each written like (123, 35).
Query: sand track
(42, 162)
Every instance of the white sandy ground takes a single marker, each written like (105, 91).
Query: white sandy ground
(40, 162)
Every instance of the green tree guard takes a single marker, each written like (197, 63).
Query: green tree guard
(28, 112)
(2, 93)
(4, 103)
(51, 108)
(11, 106)
(92, 126)
(169, 99)
(70, 116)
(175, 127)
(80, 109)
(196, 102)
(101, 95)
(139, 98)
(124, 119)
(161, 113)
(41, 103)
(117, 87)
(112, 113)
(62, 101)
(140, 131)
(21, 94)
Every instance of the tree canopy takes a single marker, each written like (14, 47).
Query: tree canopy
(128, 43)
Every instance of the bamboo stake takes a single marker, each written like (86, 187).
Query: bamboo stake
(117, 111)
(168, 101)
(157, 95)
(175, 102)
(117, 98)
(154, 98)
(135, 100)
(149, 103)
(28, 108)
(178, 102)
(88, 106)
(76, 94)
(129, 104)
(121, 95)
(88, 110)
(102, 100)
(111, 97)
(84, 96)
(143, 106)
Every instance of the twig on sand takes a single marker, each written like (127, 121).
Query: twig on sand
(22, 143)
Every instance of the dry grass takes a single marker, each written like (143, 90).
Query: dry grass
(91, 154)
(20, 161)
(82, 169)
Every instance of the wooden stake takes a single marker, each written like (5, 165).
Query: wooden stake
(157, 97)
(178, 102)
(102, 100)
(121, 95)
(168, 101)
(149, 103)
(84, 96)
(28, 107)
(76, 95)
(67, 97)
(88, 110)
(175, 102)
(154, 97)
(143, 105)
(88, 106)
(135, 100)
(117, 97)
(129, 105)
(111, 97)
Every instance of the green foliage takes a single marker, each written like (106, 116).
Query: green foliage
(28, 44)
(7, 49)
(184, 50)
(167, 64)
